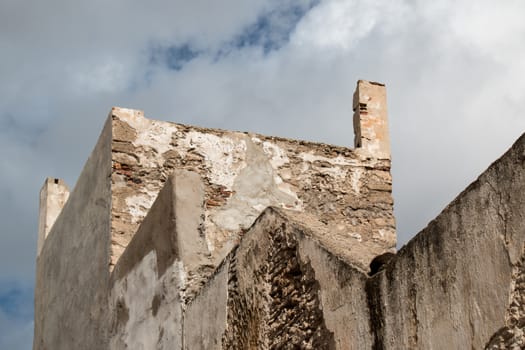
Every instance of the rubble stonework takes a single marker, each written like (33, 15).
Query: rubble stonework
(179, 237)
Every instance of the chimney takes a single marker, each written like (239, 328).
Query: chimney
(53, 196)
(370, 119)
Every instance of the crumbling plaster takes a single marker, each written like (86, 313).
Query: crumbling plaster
(178, 237)
(243, 173)
(457, 285)
(215, 184)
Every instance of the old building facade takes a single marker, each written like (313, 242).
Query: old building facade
(178, 237)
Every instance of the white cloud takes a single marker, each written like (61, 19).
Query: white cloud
(454, 72)
(495, 29)
(339, 25)
(107, 76)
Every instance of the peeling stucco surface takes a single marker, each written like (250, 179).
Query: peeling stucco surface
(161, 205)
(349, 192)
(459, 284)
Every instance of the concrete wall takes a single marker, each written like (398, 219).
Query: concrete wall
(72, 268)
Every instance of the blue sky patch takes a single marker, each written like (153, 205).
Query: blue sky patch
(16, 301)
(273, 28)
(270, 32)
(173, 57)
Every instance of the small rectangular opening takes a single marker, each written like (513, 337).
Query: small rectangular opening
(56, 181)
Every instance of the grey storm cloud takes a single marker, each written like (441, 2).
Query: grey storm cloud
(455, 75)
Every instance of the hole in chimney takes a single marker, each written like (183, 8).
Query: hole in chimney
(56, 181)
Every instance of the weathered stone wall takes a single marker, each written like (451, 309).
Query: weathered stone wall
(280, 289)
(154, 279)
(280, 283)
(146, 307)
(205, 316)
(512, 334)
(125, 262)
(348, 191)
(459, 283)
(178, 237)
(147, 283)
(72, 267)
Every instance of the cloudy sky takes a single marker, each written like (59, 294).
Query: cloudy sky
(455, 74)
